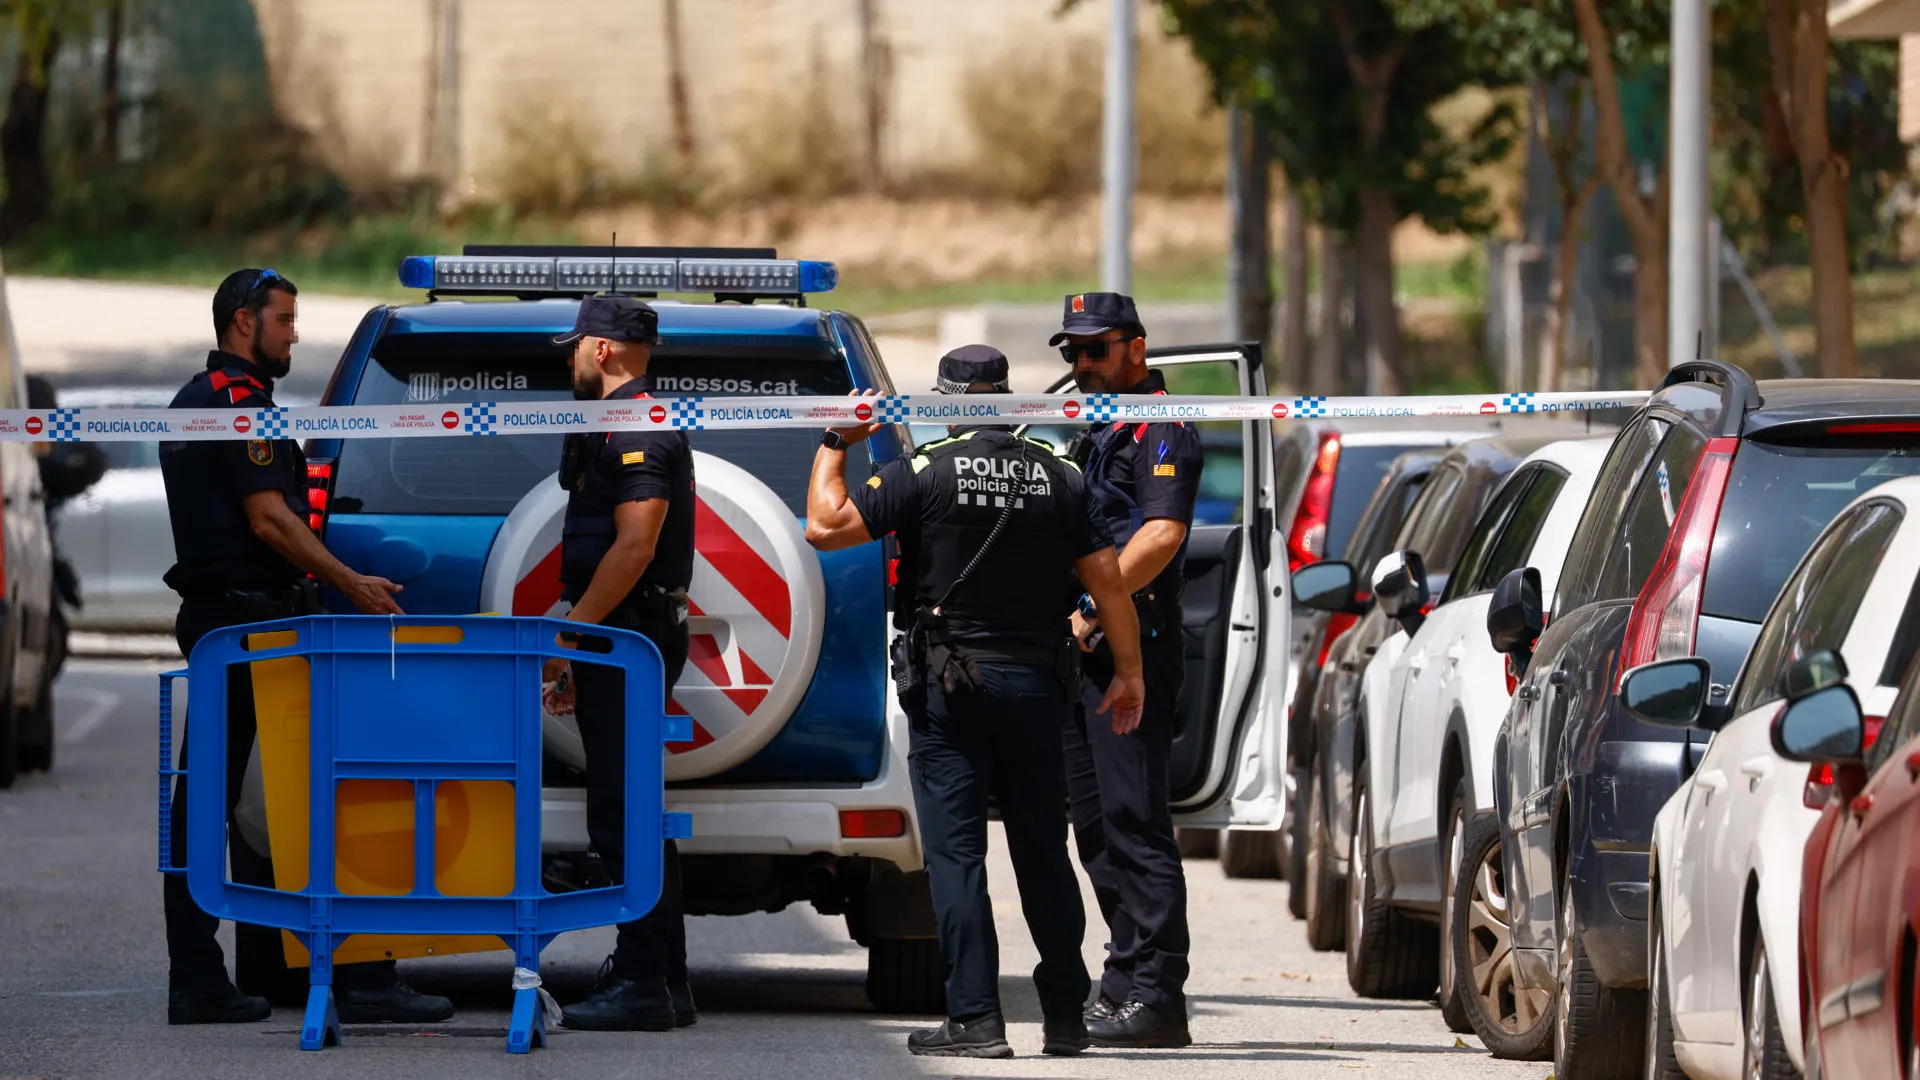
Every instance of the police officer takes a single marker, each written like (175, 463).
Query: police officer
(239, 513)
(1143, 478)
(626, 556)
(991, 529)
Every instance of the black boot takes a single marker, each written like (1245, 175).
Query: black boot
(1065, 1036)
(622, 1004)
(217, 1003)
(394, 1003)
(685, 1015)
(1103, 1008)
(985, 1037)
(1142, 1026)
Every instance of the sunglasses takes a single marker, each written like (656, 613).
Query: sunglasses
(267, 279)
(1092, 350)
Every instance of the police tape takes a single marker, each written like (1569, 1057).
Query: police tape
(480, 418)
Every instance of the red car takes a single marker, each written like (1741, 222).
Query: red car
(1860, 883)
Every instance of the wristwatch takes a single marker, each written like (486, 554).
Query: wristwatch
(832, 440)
(1087, 607)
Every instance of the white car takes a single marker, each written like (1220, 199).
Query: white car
(1434, 702)
(1727, 847)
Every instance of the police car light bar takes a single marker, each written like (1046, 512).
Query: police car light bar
(575, 275)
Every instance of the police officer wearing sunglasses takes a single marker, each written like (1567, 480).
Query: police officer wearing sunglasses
(992, 530)
(239, 514)
(1143, 478)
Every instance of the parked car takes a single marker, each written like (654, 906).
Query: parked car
(1860, 882)
(1710, 496)
(1724, 995)
(1437, 529)
(796, 780)
(1431, 718)
(116, 535)
(29, 645)
(1372, 538)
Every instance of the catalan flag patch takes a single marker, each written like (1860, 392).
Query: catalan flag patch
(634, 457)
(873, 481)
(1163, 470)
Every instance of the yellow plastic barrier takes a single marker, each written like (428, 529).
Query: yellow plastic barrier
(373, 821)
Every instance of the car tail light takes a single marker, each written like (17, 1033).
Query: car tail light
(1338, 623)
(1307, 540)
(1667, 611)
(1820, 777)
(319, 493)
(893, 573)
(872, 824)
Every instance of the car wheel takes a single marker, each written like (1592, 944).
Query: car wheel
(906, 976)
(1250, 854)
(35, 739)
(1662, 1063)
(1326, 894)
(1515, 1023)
(1388, 954)
(1297, 846)
(1198, 843)
(1765, 1057)
(1599, 1033)
(1453, 1008)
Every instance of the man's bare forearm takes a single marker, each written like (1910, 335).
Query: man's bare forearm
(295, 542)
(1153, 546)
(619, 571)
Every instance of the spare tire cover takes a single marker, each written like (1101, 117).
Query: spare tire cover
(755, 613)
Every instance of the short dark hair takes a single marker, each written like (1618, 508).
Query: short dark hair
(246, 290)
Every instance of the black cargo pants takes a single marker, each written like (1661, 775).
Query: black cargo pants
(653, 946)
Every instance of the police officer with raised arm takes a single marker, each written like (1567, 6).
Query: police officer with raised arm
(1143, 478)
(992, 529)
(626, 557)
(239, 514)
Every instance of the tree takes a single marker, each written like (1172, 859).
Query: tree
(38, 26)
(1797, 40)
(1347, 88)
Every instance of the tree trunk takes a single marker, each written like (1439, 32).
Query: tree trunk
(1566, 263)
(1248, 196)
(110, 84)
(1327, 338)
(1797, 41)
(23, 139)
(1293, 307)
(677, 89)
(1645, 216)
(1373, 294)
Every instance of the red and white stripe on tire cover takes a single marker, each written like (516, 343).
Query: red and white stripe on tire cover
(755, 615)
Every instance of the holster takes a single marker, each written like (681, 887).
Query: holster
(908, 653)
(263, 605)
(946, 661)
(1066, 667)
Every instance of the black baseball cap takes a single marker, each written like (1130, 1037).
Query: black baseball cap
(616, 318)
(1094, 313)
(970, 364)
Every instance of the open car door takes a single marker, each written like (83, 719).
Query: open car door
(1227, 765)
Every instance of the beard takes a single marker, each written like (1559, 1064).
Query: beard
(1090, 381)
(589, 386)
(276, 367)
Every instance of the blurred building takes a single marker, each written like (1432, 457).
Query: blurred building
(1887, 19)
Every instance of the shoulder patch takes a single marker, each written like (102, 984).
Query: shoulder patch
(1161, 466)
(633, 457)
(873, 481)
(260, 451)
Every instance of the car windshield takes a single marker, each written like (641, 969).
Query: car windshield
(1778, 499)
(490, 476)
(1354, 480)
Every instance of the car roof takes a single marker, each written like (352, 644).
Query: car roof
(1444, 430)
(1799, 401)
(1500, 453)
(1581, 456)
(555, 315)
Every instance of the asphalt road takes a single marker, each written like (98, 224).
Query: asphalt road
(83, 969)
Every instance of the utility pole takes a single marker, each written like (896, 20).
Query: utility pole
(1249, 265)
(1116, 255)
(1688, 258)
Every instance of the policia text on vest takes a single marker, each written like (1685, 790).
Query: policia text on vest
(993, 531)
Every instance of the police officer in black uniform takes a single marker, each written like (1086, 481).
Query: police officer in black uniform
(1144, 478)
(991, 530)
(239, 512)
(626, 557)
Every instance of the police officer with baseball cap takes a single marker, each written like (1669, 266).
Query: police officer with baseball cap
(626, 557)
(245, 553)
(1144, 478)
(992, 529)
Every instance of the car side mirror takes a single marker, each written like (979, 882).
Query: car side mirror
(1823, 727)
(1400, 587)
(1515, 616)
(1669, 692)
(69, 469)
(1325, 586)
(1812, 673)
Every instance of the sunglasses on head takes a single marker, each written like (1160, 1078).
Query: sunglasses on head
(267, 279)
(1091, 350)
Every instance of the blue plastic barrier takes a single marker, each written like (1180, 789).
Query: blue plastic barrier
(384, 708)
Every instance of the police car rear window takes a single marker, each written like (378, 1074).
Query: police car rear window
(490, 475)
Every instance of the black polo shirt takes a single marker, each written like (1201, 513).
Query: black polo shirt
(208, 482)
(620, 467)
(1140, 472)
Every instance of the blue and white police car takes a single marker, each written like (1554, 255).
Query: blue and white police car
(797, 776)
